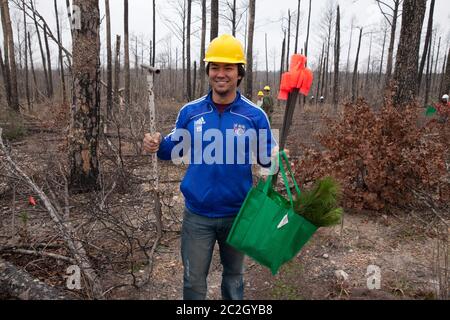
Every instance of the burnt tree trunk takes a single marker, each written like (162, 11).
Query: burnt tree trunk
(288, 40)
(36, 89)
(319, 75)
(251, 29)
(69, 16)
(426, 47)
(49, 62)
(127, 56)
(406, 66)
(392, 42)
(202, 49)
(368, 64)
(307, 32)
(27, 44)
(267, 59)
(61, 62)
(337, 51)
(283, 50)
(214, 19)
(154, 33)
(84, 125)
(109, 81)
(14, 98)
(355, 70)
(233, 19)
(435, 74)
(428, 75)
(5, 62)
(382, 57)
(117, 74)
(41, 48)
(188, 51)
(297, 26)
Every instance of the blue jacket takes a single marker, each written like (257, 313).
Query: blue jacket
(219, 175)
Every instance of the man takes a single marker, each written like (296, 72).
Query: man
(443, 109)
(267, 104)
(215, 190)
(260, 99)
(321, 99)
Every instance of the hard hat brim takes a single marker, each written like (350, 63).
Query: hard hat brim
(224, 60)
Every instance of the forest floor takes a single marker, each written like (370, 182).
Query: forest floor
(398, 242)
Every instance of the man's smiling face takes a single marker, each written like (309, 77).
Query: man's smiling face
(223, 78)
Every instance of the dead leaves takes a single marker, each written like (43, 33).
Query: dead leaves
(379, 158)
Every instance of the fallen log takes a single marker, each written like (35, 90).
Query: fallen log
(18, 284)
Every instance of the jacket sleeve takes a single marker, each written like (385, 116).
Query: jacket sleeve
(176, 136)
(267, 141)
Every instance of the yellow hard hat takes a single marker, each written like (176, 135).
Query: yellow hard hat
(267, 88)
(225, 49)
(260, 94)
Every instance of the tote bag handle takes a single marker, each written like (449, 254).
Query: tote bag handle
(282, 156)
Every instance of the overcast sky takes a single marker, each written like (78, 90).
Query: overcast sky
(269, 16)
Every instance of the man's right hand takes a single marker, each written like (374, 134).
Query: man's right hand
(152, 142)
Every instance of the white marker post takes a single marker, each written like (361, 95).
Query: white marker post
(151, 104)
(154, 174)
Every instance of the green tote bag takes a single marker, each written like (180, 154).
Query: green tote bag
(267, 229)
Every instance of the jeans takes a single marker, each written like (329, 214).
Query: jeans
(198, 237)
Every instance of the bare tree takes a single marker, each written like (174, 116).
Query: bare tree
(391, 11)
(297, 26)
(69, 16)
(178, 28)
(11, 59)
(127, 56)
(5, 63)
(202, 49)
(84, 125)
(49, 62)
(427, 45)
(337, 50)
(327, 30)
(405, 75)
(214, 19)
(319, 72)
(44, 61)
(154, 34)
(307, 32)
(288, 40)
(428, 72)
(382, 56)
(27, 82)
(435, 75)
(267, 59)
(283, 51)
(251, 29)
(188, 51)
(233, 18)
(109, 94)
(355, 70)
(61, 63)
(368, 61)
(117, 72)
(36, 90)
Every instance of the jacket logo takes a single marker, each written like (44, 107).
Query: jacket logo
(239, 129)
(198, 124)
